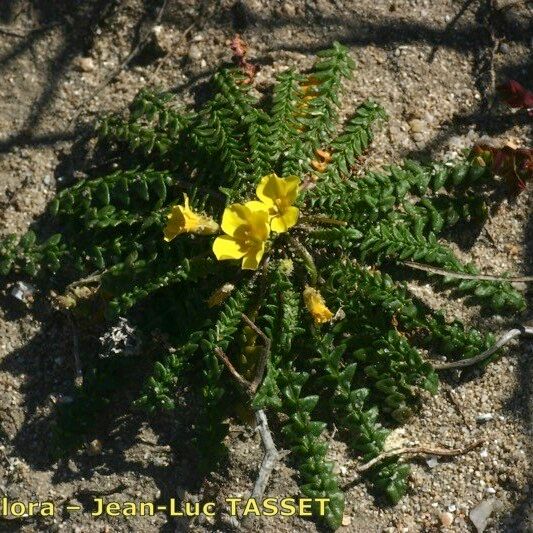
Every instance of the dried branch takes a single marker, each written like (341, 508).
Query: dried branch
(78, 381)
(265, 354)
(270, 458)
(21, 34)
(306, 257)
(418, 450)
(4, 30)
(502, 341)
(320, 219)
(95, 277)
(244, 383)
(459, 275)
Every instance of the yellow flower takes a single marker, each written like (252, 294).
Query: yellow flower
(246, 228)
(316, 306)
(182, 219)
(279, 194)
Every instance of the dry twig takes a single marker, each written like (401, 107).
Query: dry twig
(458, 407)
(265, 354)
(460, 275)
(75, 352)
(96, 277)
(244, 383)
(250, 387)
(419, 450)
(270, 458)
(4, 30)
(502, 341)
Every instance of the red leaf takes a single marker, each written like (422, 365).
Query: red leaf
(239, 49)
(513, 164)
(517, 96)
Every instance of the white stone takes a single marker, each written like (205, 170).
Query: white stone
(195, 53)
(86, 64)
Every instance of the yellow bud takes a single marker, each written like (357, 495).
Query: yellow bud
(316, 306)
(220, 295)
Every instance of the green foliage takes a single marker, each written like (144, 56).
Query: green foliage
(363, 370)
(303, 435)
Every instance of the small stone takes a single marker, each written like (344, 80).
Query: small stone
(504, 48)
(85, 64)
(397, 52)
(483, 454)
(94, 447)
(346, 520)
(23, 291)
(288, 9)
(480, 514)
(432, 462)
(446, 519)
(195, 53)
(417, 126)
(484, 417)
(161, 40)
(490, 490)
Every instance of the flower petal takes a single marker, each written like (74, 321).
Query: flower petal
(258, 221)
(225, 247)
(254, 206)
(175, 224)
(292, 185)
(281, 223)
(234, 216)
(253, 257)
(267, 189)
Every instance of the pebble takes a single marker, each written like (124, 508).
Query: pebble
(484, 417)
(346, 520)
(94, 447)
(446, 519)
(480, 514)
(417, 126)
(85, 64)
(195, 53)
(504, 48)
(288, 9)
(22, 291)
(432, 462)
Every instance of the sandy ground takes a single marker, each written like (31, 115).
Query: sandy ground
(431, 62)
